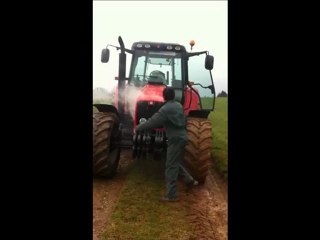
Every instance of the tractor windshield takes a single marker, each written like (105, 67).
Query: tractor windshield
(156, 68)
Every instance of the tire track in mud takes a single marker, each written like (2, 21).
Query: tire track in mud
(208, 210)
(106, 193)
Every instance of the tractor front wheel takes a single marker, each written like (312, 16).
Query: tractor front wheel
(106, 144)
(198, 153)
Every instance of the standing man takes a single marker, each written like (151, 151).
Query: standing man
(171, 117)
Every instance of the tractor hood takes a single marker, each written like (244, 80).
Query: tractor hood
(151, 93)
(148, 102)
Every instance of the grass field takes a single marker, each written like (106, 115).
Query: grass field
(219, 119)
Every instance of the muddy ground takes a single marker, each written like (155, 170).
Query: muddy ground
(208, 203)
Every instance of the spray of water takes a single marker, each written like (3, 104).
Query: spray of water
(133, 93)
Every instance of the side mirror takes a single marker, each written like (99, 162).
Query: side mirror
(209, 62)
(105, 55)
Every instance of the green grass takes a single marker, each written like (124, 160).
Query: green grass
(139, 214)
(207, 103)
(219, 119)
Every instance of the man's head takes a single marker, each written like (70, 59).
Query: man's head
(157, 77)
(168, 94)
(157, 73)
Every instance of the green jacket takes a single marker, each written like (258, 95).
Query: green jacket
(171, 117)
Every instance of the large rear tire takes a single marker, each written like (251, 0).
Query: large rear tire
(106, 144)
(198, 152)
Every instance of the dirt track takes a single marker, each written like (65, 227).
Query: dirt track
(208, 211)
(208, 203)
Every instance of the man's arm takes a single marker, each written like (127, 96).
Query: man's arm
(157, 120)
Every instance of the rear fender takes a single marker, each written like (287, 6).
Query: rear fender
(106, 108)
(199, 113)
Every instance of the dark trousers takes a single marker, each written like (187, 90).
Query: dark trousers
(175, 152)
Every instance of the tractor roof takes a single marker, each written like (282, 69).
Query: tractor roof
(158, 46)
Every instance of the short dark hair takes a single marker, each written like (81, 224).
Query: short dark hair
(168, 93)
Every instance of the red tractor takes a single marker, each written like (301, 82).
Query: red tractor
(155, 66)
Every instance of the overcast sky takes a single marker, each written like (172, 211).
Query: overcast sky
(205, 22)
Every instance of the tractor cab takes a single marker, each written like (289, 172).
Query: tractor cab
(169, 64)
(157, 64)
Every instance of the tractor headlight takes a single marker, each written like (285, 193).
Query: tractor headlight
(142, 120)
